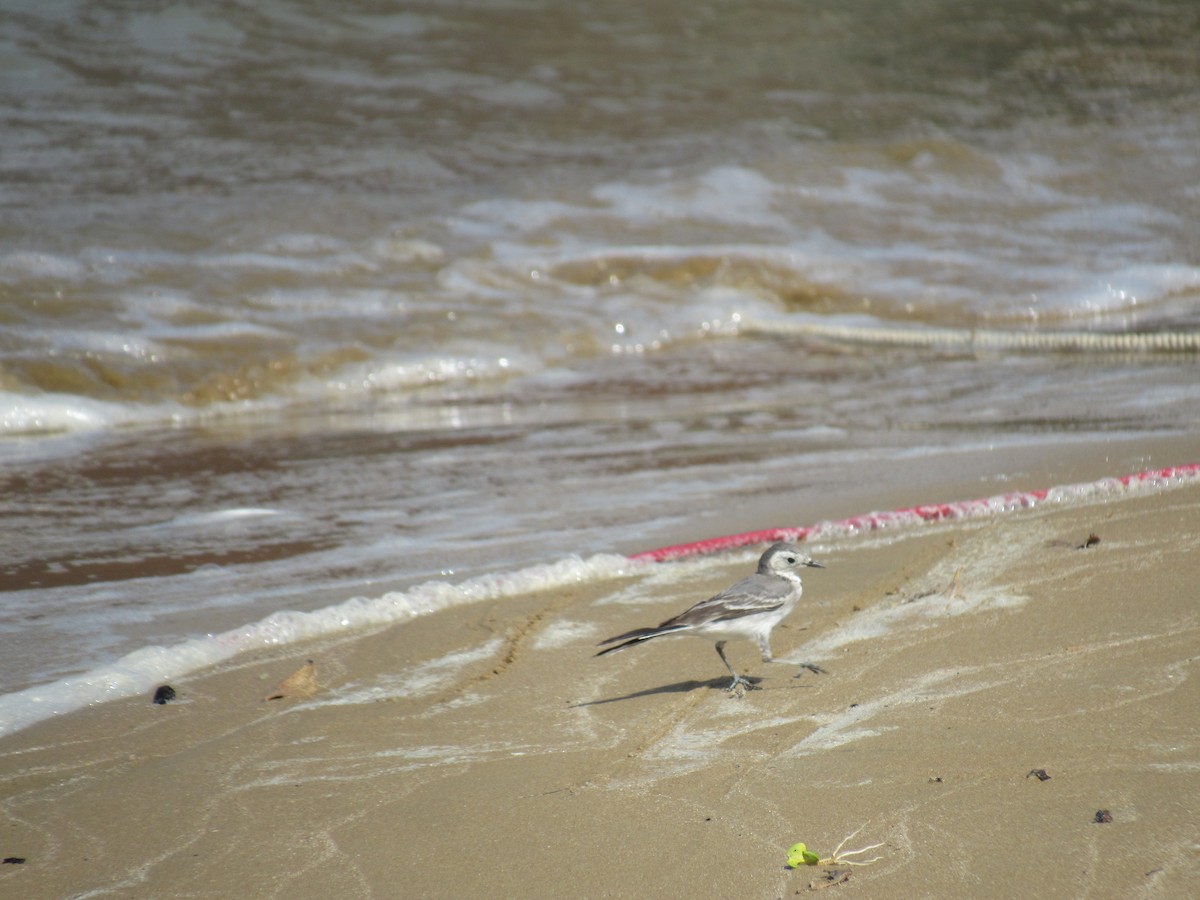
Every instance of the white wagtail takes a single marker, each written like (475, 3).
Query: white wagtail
(748, 609)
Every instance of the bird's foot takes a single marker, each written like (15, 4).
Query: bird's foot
(815, 669)
(741, 684)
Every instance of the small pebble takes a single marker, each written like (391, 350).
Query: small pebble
(164, 694)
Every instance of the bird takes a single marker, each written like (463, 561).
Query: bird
(748, 609)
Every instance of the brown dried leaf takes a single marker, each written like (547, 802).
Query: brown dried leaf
(301, 683)
(828, 880)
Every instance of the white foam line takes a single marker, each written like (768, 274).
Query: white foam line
(836, 729)
(417, 681)
(141, 671)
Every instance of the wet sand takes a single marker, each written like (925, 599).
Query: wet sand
(484, 752)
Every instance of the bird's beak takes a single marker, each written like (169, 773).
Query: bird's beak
(813, 564)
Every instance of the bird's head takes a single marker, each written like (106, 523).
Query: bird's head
(784, 559)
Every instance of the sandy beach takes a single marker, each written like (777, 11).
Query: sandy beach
(415, 339)
(484, 751)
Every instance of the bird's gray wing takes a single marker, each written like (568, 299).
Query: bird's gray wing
(756, 594)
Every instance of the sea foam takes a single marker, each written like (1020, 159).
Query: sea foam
(140, 671)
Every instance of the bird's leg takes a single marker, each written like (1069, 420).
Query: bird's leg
(764, 647)
(737, 679)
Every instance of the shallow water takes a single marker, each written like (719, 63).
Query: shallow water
(300, 304)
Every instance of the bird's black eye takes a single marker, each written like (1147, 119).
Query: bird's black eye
(792, 560)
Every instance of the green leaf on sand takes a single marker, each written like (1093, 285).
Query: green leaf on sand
(800, 855)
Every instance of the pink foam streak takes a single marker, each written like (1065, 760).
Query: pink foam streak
(1153, 479)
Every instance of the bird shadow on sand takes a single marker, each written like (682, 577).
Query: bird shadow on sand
(679, 687)
(721, 684)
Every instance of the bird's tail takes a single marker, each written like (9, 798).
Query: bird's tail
(637, 636)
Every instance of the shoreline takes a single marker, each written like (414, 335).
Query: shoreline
(130, 674)
(482, 751)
